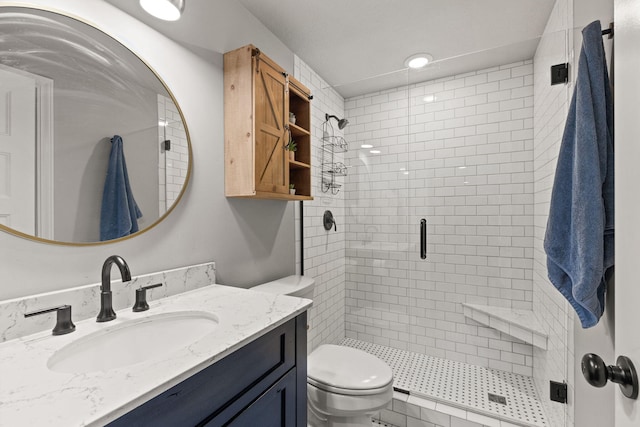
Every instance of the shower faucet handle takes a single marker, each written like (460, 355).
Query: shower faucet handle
(141, 298)
(329, 221)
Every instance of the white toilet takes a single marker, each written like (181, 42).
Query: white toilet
(345, 386)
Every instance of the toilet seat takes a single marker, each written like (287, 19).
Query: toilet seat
(347, 371)
(346, 391)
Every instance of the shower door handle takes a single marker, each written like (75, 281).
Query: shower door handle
(423, 238)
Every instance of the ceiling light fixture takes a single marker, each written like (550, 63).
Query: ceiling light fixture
(167, 10)
(366, 146)
(418, 60)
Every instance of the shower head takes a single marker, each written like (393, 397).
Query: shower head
(342, 123)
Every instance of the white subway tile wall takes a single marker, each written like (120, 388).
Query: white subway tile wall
(475, 156)
(550, 111)
(457, 151)
(173, 165)
(324, 251)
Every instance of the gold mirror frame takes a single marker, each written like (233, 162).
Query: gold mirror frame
(64, 15)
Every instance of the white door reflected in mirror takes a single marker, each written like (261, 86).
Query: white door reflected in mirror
(17, 152)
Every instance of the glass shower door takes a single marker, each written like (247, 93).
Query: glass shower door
(481, 307)
(378, 232)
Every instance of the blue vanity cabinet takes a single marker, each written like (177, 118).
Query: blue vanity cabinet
(260, 384)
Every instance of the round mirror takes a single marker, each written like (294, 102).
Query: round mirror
(93, 146)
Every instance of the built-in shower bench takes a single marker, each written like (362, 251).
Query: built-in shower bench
(518, 323)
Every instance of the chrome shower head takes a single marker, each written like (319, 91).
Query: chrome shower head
(342, 123)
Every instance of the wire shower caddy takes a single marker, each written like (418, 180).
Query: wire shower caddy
(332, 144)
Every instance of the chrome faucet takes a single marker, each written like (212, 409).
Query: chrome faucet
(106, 307)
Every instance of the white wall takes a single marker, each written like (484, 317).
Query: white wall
(324, 252)
(251, 241)
(82, 148)
(550, 112)
(599, 339)
(627, 93)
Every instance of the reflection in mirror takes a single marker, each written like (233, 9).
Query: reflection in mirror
(66, 89)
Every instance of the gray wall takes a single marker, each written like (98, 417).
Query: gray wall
(81, 157)
(250, 241)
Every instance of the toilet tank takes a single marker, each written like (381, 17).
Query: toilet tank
(294, 285)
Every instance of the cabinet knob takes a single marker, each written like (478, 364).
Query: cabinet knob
(597, 373)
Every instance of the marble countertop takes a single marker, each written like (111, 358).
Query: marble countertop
(31, 394)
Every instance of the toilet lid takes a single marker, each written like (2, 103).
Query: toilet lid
(347, 368)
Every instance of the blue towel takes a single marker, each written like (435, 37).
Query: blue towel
(119, 214)
(579, 241)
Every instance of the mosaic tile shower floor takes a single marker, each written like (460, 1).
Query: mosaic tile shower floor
(460, 384)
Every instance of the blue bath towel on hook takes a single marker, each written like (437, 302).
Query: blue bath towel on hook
(579, 240)
(119, 213)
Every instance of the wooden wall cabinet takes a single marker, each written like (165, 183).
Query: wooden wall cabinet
(258, 97)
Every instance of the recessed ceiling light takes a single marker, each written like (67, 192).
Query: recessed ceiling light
(418, 60)
(366, 146)
(375, 151)
(429, 98)
(167, 10)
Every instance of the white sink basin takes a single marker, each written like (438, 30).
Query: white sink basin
(133, 342)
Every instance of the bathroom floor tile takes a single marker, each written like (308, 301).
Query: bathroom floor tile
(498, 394)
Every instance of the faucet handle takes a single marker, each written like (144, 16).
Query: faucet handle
(141, 298)
(64, 325)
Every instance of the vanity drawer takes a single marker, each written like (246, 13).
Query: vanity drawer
(234, 381)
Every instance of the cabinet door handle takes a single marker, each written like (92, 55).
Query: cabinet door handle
(423, 238)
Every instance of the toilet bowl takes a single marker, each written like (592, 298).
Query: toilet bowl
(345, 386)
